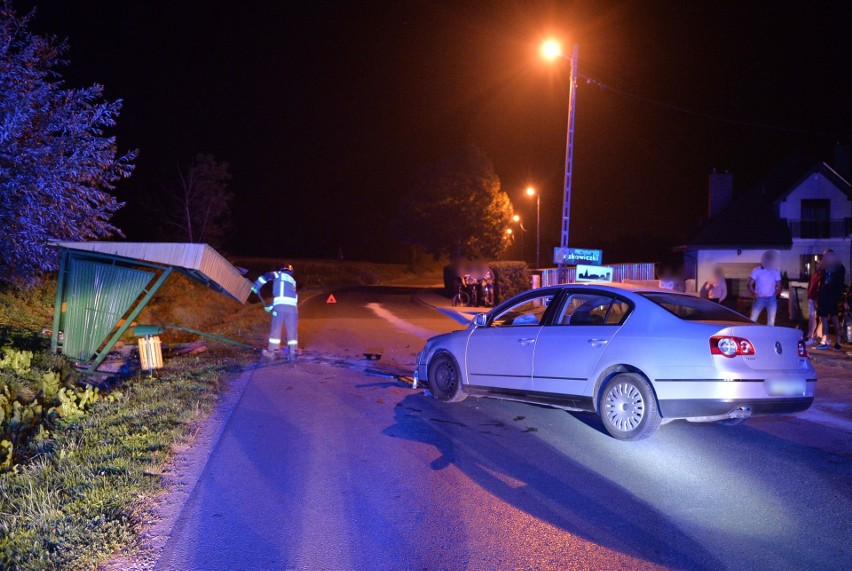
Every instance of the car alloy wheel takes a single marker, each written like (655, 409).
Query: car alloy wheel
(624, 406)
(628, 407)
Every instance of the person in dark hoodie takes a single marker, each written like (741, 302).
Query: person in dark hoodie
(831, 289)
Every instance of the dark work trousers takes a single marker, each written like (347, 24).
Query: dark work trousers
(286, 316)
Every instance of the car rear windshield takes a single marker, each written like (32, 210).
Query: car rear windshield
(692, 308)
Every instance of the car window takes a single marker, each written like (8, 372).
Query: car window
(692, 308)
(618, 312)
(528, 312)
(585, 309)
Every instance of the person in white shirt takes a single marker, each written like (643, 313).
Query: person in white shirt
(764, 283)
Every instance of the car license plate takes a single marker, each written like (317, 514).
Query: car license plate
(785, 387)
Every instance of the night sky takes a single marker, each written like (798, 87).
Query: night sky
(326, 111)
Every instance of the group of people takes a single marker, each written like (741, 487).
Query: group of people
(826, 291)
(826, 288)
(477, 279)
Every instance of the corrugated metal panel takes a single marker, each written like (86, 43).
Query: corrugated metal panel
(198, 261)
(98, 296)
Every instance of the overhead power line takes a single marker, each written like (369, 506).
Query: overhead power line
(709, 116)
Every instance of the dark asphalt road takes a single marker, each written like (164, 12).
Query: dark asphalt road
(323, 467)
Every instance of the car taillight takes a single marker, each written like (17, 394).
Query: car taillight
(803, 349)
(730, 346)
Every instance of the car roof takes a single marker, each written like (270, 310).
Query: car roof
(616, 286)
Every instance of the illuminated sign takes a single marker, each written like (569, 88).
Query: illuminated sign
(593, 273)
(572, 256)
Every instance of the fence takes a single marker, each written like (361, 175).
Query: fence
(620, 272)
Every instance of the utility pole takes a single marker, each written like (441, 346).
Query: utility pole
(538, 230)
(569, 163)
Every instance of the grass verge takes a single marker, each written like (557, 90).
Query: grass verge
(82, 498)
(84, 476)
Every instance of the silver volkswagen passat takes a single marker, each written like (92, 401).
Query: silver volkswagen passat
(638, 357)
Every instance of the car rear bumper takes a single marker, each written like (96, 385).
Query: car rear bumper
(688, 408)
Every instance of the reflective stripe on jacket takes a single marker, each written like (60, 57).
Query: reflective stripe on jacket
(283, 287)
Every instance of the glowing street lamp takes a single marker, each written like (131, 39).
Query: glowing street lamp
(532, 192)
(551, 49)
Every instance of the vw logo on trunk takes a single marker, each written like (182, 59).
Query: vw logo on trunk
(778, 348)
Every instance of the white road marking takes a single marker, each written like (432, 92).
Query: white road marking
(400, 323)
(819, 417)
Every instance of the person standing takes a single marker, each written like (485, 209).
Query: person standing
(284, 309)
(764, 283)
(831, 289)
(670, 279)
(716, 288)
(814, 328)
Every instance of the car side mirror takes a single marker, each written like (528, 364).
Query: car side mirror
(480, 319)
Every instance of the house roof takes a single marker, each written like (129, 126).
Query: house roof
(752, 220)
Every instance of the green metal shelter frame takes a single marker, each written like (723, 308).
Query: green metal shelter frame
(103, 286)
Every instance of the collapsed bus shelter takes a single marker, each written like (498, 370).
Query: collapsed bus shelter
(103, 286)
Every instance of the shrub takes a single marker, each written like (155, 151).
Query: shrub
(510, 278)
(34, 401)
(80, 499)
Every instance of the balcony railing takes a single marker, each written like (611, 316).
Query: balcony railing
(815, 230)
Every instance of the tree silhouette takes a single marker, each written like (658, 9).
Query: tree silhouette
(457, 208)
(199, 205)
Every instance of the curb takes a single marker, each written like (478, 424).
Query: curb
(838, 362)
(462, 316)
(416, 296)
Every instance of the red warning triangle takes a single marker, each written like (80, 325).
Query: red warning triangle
(331, 299)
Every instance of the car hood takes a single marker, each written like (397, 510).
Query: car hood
(442, 336)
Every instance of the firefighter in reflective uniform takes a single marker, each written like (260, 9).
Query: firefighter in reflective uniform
(283, 308)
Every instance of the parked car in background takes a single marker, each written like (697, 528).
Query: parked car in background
(638, 357)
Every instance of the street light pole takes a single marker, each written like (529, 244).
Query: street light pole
(538, 230)
(517, 218)
(535, 192)
(569, 163)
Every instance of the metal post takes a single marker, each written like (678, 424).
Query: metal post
(215, 337)
(538, 230)
(60, 293)
(569, 162)
(128, 320)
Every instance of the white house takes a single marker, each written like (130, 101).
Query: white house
(798, 210)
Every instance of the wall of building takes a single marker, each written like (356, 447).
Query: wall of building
(815, 186)
(739, 263)
(699, 264)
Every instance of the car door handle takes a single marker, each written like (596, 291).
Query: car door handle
(598, 341)
(525, 341)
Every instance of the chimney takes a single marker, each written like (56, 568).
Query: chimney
(842, 160)
(721, 192)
